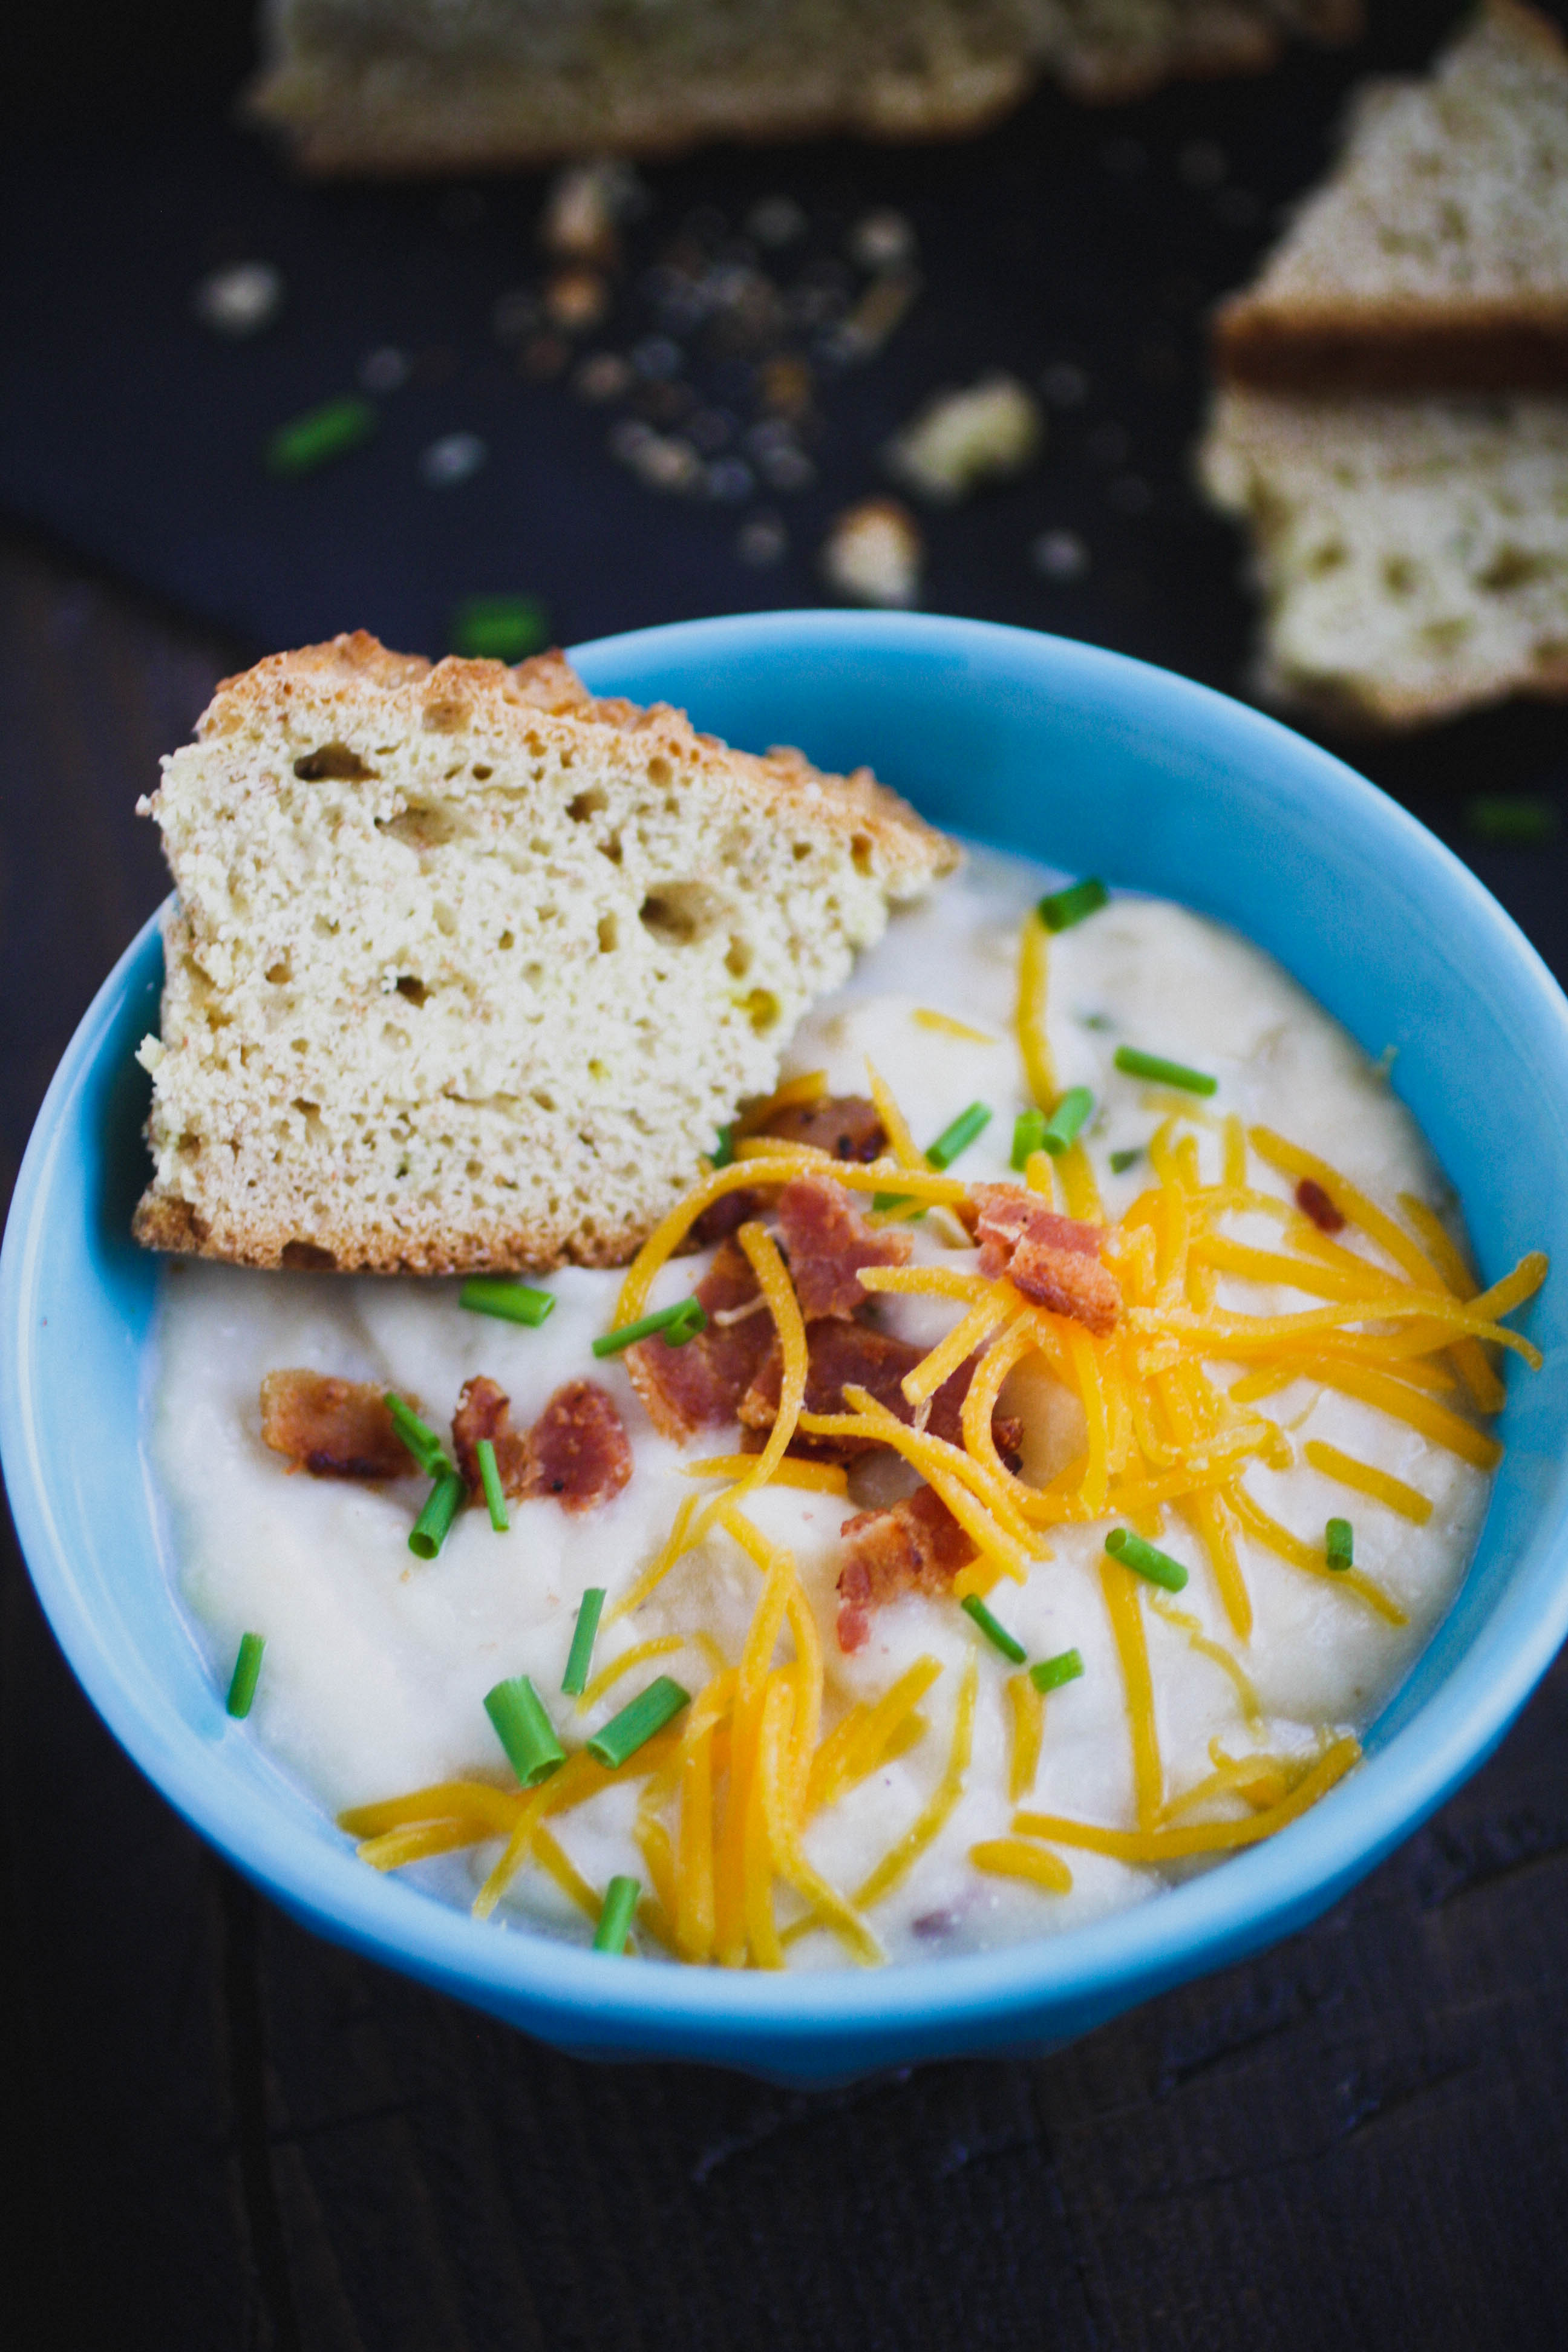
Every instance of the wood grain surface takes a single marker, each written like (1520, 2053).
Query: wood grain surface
(220, 2133)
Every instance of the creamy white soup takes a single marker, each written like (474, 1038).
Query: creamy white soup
(377, 1664)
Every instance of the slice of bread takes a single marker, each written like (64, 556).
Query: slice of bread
(378, 86)
(1412, 554)
(1435, 257)
(467, 968)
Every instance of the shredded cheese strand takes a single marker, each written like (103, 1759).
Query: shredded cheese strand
(1034, 981)
(809, 1087)
(638, 1654)
(1364, 1479)
(1120, 1589)
(1291, 1159)
(1028, 1706)
(900, 1859)
(814, 1477)
(1215, 1652)
(1388, 1395)
(943, 1026)
(858, 1744)
(1012, 1858)
(956, 1348)
(1312, 1562)
(905, 1149)
(1163, 1845)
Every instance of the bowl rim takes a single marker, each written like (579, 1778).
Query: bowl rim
(920, 2007)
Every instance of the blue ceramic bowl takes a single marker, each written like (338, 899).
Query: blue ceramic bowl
(1096, 764)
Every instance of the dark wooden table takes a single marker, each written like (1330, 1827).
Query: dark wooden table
(218, 2133)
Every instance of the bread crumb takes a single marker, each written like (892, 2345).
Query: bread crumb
(960, 439)
(873, 554)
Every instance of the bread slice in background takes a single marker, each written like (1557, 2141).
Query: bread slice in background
(467, 968)
(392, 85)
(1412, 554)
(1436, 256)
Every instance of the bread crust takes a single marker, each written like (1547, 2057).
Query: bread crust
(1498, 346)
(310, 706)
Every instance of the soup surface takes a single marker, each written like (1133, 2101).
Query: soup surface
(377, 1664)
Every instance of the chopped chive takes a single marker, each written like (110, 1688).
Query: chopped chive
(677, 1324)
(1139, 1065)
(1513, 820)
(246, 1667)
(442, 1504)
(1120, 1162)
(1144, 1559)
(1052, 1673)
(959, 1136)
(580, 1657)
(637, 1723)
(320, 434)
(499, 628)
(1339, 1544)
(615, 1919)
(996, 1634)
(490, 1478)
(417, 1436)
(492, 1293)
(723, 1152)
(522, 1726)
(1060, 909)
(1029, 1136)
(1066, 1119)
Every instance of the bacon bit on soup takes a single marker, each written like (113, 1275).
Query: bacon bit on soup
(916, 1547)
(1052, 1260)
(727, 1214)
(485, 1411)
(579, 1448)
(1314, 1202)
(841, 1355)
(847, 1126)
(577, 1451)
(828, 1243)
(333, 1429)
(700, 1384)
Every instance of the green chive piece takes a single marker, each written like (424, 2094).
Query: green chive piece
(1120, 1162)
(1066, 1119)
(1513, 820)
(998, 1635)
(522, 1726)
(615, 1919)
(1062, 908)
(637, 1723)
(417, 1436)
(320, 435)
(442, 1504)
(1163, 1073)
(678, 1323)
(1339, 1544)
(1144, 1561)
(723, 1151)
(490, 1478)
(959, 1136)
(1029, 1136)
(491, 1294)
(246, 1667)
(1052, 1673)
(580, 1657)
(499, 628)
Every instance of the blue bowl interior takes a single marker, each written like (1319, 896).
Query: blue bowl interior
(1095, 763)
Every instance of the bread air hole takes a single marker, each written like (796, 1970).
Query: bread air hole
(305, 1258)
(609, 934)
(590, 803)
(659, 773)
(761, 1010)
(680, 913)
(333, 763)
(413, 990)
(860, 853)
(738, 962)
(281, 972)
(1514, 567)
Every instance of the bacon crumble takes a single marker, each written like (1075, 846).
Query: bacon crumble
(847, 1126)
(577, 1451)
(1314, 1202)
(1053, 1260)
(826, 1242)
(700, 1384)
(332, 1428)
(916, 1547)
(842, 1355)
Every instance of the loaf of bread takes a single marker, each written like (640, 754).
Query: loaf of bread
(370, 86)
(1412, 553)
(467, 968)
(1435, 257)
